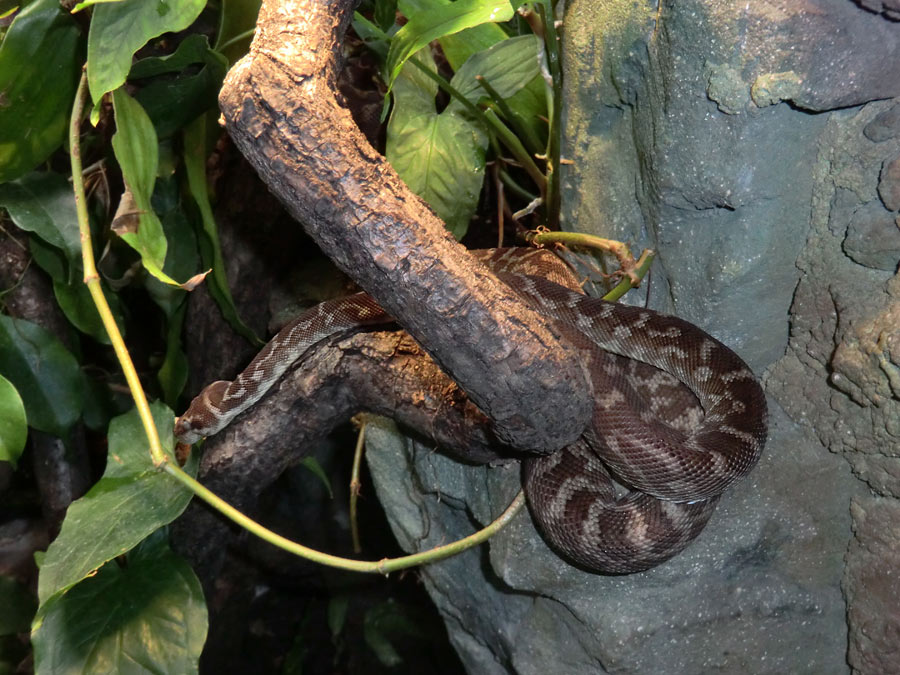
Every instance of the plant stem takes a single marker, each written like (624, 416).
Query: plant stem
(385, 566)
(554, 139)
(492, 123)
(356, 485)
(92, 279)
(633, 271)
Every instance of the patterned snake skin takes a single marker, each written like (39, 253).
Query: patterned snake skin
(678, 417)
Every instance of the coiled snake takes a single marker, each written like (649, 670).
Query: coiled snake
(678, 417)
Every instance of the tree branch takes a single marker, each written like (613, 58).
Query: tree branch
(280, 108)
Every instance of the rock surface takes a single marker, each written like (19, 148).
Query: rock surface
(689, 132)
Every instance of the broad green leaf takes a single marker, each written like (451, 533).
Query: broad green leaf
(40, 62)
(132, 500)
(507, 66)
(18, 607)
(43, 203)
(171, 103)
(182, 258)
(459, 46)
(441, 157)
(137, 152)
(45, 374)
(119, 29)
(193, 49)
(529, 111)
(13, 429)
(424, 27)
(210, 249)
(147, 615)
(77, 304)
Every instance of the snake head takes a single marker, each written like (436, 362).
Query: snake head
(201, 419)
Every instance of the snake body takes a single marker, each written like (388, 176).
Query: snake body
(678, 418)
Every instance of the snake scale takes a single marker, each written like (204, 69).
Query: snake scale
(678, 417)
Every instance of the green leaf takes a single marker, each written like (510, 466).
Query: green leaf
(458, 46)
(312, 465)
(77, 304)
(337, 614)
(137, 152)
(119, 29)
(507, 66)
(51, 259)
(193, 49)
(424, 27)
(131, 500)
(40, 62)
(145, 616)
(182, 259)
(13, 427)
(18, 607)
(171, 103)
(385, 14)
(43, 203)
(385, 621)
(173, 373)
(45, 374)
(441, 157)
(210, 249)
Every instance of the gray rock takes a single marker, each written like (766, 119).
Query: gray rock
(681, 141)
(873, 238)
(890, 8)
(872, 586)
(885, 126)
(889, 184)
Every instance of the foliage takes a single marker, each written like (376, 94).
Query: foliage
(153, 77)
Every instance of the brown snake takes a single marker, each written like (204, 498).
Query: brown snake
(678, 417)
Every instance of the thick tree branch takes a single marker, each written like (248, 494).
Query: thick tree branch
(280, 108)
(384, 373)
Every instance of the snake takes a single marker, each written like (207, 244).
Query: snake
(678, 417)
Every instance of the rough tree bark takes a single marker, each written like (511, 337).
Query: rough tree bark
(280, 107)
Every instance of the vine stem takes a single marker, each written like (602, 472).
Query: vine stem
(92, 279)
(356, 484)
(632, 270)
(385, 566)
(159, 457)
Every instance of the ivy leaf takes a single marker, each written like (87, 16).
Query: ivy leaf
(132, 500)
(45, 374)
(119, 29)
(13, 424)
(40, 63)
(147, 615)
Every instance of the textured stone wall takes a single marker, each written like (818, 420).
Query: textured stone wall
(754, 145)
